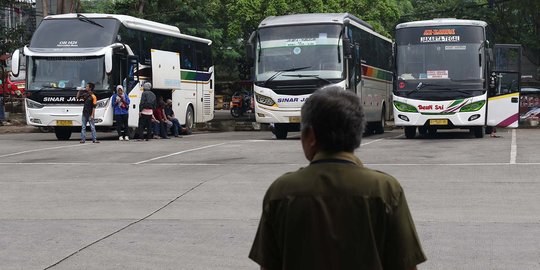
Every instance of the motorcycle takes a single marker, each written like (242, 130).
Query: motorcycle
(241, 102)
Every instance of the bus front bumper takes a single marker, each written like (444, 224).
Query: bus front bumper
(265, 114)
(463, 119)
(65, 116)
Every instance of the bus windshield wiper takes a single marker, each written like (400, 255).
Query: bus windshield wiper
(308, 76)
(83, 18)
(281, 71)
(419, 87)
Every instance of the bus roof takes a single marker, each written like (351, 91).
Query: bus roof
(317, 18)
(136, 23)
(311, 18)
(441, 21)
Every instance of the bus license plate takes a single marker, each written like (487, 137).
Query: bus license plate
(294, 119)
(64, 123)
(438, 122)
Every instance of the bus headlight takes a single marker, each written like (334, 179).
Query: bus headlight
(264, 100)
(402, 107)
(102, 103)
(473, 107)
(33, 105)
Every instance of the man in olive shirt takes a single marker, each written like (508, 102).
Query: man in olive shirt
(335, 213)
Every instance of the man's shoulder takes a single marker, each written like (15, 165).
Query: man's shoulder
(353, 179)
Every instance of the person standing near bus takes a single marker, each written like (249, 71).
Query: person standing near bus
(335, 213)
(146, 107)
(89, 108)
(2, 114)
(121, 105)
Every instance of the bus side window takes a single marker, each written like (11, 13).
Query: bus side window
(187, 55)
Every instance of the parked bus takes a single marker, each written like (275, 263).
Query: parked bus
(448, 76)
(67, 51)
(296, 54)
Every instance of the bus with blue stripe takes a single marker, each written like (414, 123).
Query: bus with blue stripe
(69, 50)
(294, 55)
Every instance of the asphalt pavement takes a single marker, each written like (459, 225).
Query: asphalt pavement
(195, 202)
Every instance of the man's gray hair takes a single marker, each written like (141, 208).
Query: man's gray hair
(337, 118)
(147, 86)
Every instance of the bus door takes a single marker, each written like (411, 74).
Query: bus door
(503, 94)
(133, 89)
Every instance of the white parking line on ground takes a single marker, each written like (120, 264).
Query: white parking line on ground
(374, 141)
(41, 149)
(513, 148)
(178, 153)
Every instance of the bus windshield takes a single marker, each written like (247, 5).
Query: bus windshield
(445, 55)
(312, 50)
(75, 33)
(53, 73)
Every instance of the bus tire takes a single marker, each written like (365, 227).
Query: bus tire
(236, 112)
(410, 132)
(190, 116)
(62, 133)
(379, 126)
(422, 130)
(280, 131)
(478, 132)
(489, 130)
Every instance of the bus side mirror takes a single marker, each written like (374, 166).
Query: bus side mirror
(489, 53)
(249, 51)
(347, 50)
(250, 48)
(15, 62)
(108, 60)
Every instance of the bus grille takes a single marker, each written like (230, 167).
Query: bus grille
(294, 89)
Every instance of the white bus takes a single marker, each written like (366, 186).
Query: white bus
(296, 54)
(69, 50)
(449, 77)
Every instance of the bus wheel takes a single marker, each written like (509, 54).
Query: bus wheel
(489, 130)
(478, 132)
(280, 131)
(62, 133)
(422, 130)
(236, 112)
(190, 116)
(379, 126)
(410, 132)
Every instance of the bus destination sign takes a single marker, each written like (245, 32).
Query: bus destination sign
(439, 35)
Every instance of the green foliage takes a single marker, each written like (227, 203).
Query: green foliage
(12, 38)
(229, 23)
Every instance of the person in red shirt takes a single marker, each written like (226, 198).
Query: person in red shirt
(159, 122)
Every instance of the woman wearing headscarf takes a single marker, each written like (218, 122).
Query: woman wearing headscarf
(120, 102)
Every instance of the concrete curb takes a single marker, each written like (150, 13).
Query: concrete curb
(17, 129)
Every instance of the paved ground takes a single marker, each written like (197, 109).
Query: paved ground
(194, 202)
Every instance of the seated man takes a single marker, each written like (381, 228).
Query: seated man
(159, 122)
(169, 113)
